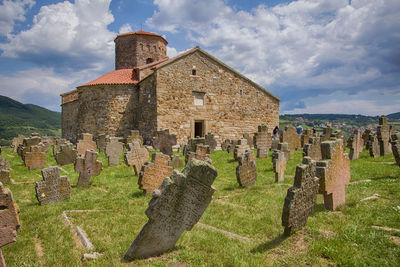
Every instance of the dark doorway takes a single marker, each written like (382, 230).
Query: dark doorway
(199, 128)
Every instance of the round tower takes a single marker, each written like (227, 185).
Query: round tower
(138, 48)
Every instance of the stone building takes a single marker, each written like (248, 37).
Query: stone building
(191, 94)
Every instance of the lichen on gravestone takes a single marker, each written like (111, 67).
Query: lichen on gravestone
(164, 141)
(35, 158)
(86, 143)
(136, 156)
(240, 148)
(87, 167)
(114, 149)
(52, 188)
(246, 171)
(262, 141)
(153, 173)
(66, 154)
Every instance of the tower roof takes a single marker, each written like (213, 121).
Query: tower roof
(140, 33)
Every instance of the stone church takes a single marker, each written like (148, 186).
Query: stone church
(190, 94)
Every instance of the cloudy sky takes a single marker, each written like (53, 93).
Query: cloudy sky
(318, 56)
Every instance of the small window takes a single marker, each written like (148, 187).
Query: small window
(149, 60)
(198, 98)
(193, 72)
(241, 92)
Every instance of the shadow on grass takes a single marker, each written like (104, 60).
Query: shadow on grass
(384, 178)
(231, 160)
(137, 194)
(271, 244)
(158, 257)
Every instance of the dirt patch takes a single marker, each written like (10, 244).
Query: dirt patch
(39, 250)
(327, 233)
(25, 201)
(338, 213)
(296, 244)
(395, 239)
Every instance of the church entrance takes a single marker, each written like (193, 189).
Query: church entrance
(198, 128)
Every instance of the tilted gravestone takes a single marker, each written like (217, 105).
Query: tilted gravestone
(250, 140)
(52, 188)
(87, 167)
(164, 141)
(16, 141)
(300, 199)
(202, 153)
(305, 136)
(246, 171)
(383, 133)
(9, 222)
(396, 147)
(355, 143)
(191, 146)
(284, 147)
(35, 158)
(102, 141)
(153, 173)
(134, 136)
(313, 148)
(289, 135)
(373, 144)
(334, 173)
(279, 164)
(240, 148)
(57, 145)
(136, 156)
(67, 154)
(4, 171)
(262, 141)
(86, 143)
(26, 145)
(176, 206)
(44, 146)
(209, 140)
(114, 150)
(175, 162)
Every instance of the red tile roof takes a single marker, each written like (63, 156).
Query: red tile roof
(122, 76)
(140, 33)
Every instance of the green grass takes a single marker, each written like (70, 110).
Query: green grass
(344, 237)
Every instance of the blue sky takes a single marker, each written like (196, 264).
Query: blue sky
(318, 56)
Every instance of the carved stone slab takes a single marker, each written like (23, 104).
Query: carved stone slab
(274, 143)
(35, 159)
(396, 147)
(176, 162)
(289, 135)
(26, 145)
(16, 141)
(373, 144)
(67, 154)
(87, 166)
(262, 141)
(383, 133)
(300, 199)
(86, 143)
(4, 171)
(209, 140)
(231, 147)
(279, 163)
(326, 134)
(136, 156)
(176, 206)
(114, 150)
(134, 136)
(57, 145)
(365, 137)
(224, 145)
(191, 146)
(246, 171)
(153, 173)
(250, 140)
(164, 141)
(240, 148)
(101, 142)
(313, 148)
(202, 153)
(334, 173)
(304, 138)
(284, 147)
(52, 188)
(355, 143)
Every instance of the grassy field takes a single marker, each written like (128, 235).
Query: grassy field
(342, 237)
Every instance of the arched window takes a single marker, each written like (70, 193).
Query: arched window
(149, 60)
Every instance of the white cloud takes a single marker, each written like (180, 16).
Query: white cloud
(125, 28)
(171, 52)
(10, 11)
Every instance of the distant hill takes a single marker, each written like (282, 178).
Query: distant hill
(394, 116)
(17, 118)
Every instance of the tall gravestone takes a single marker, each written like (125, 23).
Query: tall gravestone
(279, 164)
(176, 206)
(164, 141)
(240, 148)
(250, 140)
(87, 167)
(383, 133)
(52, 188)
(153, 173)
(246, 171)
(326, 133)
(313, 148)
(35, 158)
(284, 147)
(373, 144)
(262, 141)
(86, 143)
(9, 222)
(300, 199)
(136, 156)
(305, 136)
(289, 135)
(396, 147)
(209, 140)
(365, 137)
(67, 154)
(114, 149)
(334, 173)
(355, 143)
(101, 142)
(4, 171)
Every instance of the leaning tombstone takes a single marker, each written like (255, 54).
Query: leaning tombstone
(35, 158)
(101, 142)
(9, 222)
(52, 188)
(66, 155)
(279, 164)
(355, 144)
(164, 141)
(153, 173)
(114, 150)
(262, 141)
(396, 147)
(240, 148)
(86, 143)
(373, 144)
(246, 171)
(87, 166)
(16, 141)
(209, 140)
(383, 134)
(136, 156)
(289, 135)
(177, 205)
(334, 173)
(313, 148)
(300, 199)
(27, 143)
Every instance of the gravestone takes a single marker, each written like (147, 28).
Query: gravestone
(313, 148)
(134, 136)
(284, 147)
(192, 144)
(87, 167)
(224, 145)
(209, 140)
(44, 146)
(240, 148)
(231, 146)
(365, 137)
(9, 222)
(289, 135)
(27, 143)
(334, 173)
(279, 164)
(153, 173)
(114, 150)
(175, 162)
(300, 199)
(250, 140)
(57, 145)
(4, 171)
(202, 153)
(16, 141)
(86, 143)
(326, 134)
(66, 155)
(35, 158)
(136, 156)
(177, 205)
(373, 143)
(164, 141)
(355, 143)
(262, 141)
(383, 134)
(246, 171)
(305, 136)
(396, 147)
(52, 188)
(274, 143)
(102, 141)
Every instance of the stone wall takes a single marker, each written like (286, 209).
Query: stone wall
(232, 104)
(69, 116)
